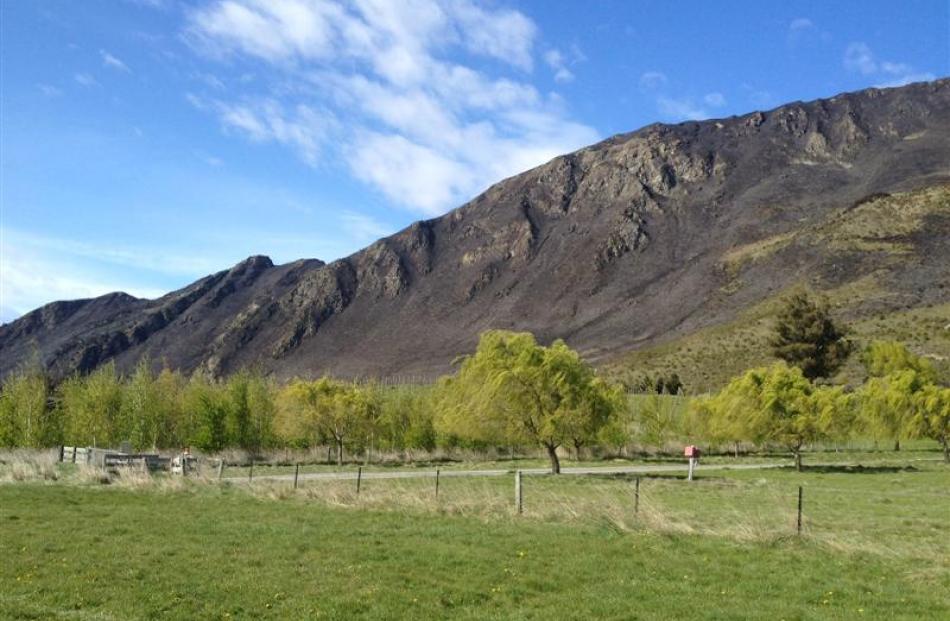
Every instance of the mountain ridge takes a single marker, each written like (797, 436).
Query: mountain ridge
(612, 247)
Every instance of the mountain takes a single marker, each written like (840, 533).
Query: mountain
(638, 241)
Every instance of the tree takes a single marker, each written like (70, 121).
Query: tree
(895, 374)
(329, 409)
(26, 418)
(92, 408)
(206, 404)
(806, 337)
(931, 417)
(774, 404)
(512, 389)
(881, 358)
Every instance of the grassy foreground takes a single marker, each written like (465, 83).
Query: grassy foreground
(875, 548)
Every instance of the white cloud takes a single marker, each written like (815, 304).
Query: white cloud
(859, 58)
(35, 271)
(49, 90)
(392, 89)
(680, 109)
(908, 78)
(800, 23)
(555, 59)
(363, 229)
(715, 100)
(303, 128)
(86, 80)
(108, 60)
(652, 80)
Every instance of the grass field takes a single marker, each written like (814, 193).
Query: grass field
(875, 546)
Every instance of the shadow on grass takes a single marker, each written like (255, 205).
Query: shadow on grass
(849, 469)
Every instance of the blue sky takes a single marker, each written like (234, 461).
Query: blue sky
(146, 143)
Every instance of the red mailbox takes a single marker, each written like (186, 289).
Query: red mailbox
(691, 451)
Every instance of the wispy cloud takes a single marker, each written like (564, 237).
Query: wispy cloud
(859, 58)
(85, 79)
(49, 90)
(652, 80)
(560, 63)
(31, 276)
(363, 228)
(108, 60)
(714, 100)
(680, 109)
(399, 92)
(800, 23)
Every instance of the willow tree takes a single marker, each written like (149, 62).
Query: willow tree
(775, 404)
(895, 375)
(514, 390)
(931, 418)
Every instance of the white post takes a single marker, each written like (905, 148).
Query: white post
(692, 465)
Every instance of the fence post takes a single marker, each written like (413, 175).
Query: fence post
(296, 474)
(250, 472)
(636, 497)
(437, 483)
(62, 453)
(220, 468)
(74, 454)
(519, 499)
(359, 479)
(799, 509)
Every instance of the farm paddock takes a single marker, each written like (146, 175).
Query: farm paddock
(874, 546)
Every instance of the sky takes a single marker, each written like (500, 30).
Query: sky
(147, 143)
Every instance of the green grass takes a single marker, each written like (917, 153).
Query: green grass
(722, 547)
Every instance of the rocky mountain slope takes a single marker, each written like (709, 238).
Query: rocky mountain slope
(641, 239)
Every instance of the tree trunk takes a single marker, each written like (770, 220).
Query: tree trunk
(735, 448)
(555, 462)
(798, 460)
(577, 451)
(339, 452)
(946, 450)
(897, 444)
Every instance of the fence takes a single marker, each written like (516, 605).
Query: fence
(111, 459)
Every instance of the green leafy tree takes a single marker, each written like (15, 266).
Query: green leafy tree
(806, 337)
(513, 389)
(775, 404)
(92, 408)
(142, 410)
(207, 405)
(931, 418)
(328, 409)
(895, 374)
(26, 418)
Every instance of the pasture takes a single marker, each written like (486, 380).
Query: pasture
(874, 545)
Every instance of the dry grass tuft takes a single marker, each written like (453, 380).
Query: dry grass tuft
(19, 465)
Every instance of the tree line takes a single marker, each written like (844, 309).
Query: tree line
(512, 391)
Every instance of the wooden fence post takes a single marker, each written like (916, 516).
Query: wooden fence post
(296, 474)
(519, 499)
(62, 453)
(74, 454)
(799, 509)
(436, 483)
(220, 468)
(359, 479)
(636, 497)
